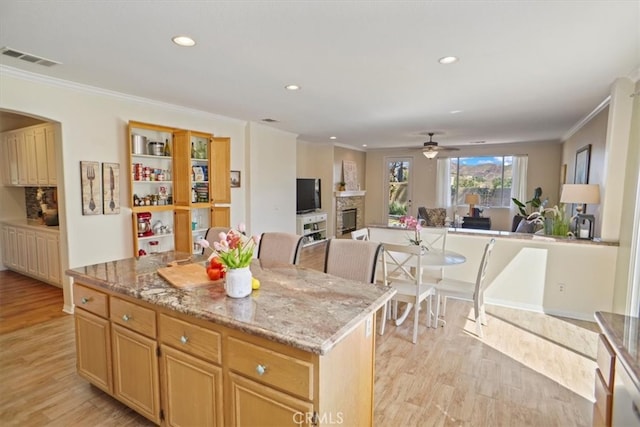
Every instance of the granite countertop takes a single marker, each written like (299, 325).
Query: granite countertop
(510, 235)
(296, 306)
(623, 332)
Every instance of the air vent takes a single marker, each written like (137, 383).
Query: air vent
(270, 120)
(28, 57)
(477, 142)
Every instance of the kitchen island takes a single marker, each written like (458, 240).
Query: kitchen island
(298, 351)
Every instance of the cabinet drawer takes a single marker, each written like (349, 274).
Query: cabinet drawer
(190, 338)
(90, 300)
(267, 366)
(603, 398)
(134, 317)
(606, 359)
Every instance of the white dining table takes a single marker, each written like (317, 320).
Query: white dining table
(433, 259)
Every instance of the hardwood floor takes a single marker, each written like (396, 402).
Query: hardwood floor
(530, 369)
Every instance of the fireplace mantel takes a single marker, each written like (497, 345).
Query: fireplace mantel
(350, 193)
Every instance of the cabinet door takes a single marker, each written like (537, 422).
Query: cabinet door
(28, 157)
(21, 251)
(53, 259)
(4, 158)
(253, 403)
(221, 216)
(42, 256)
(50, 143)
(20, 167)
(41, 164)
(220, 170)
(13, 247)
(6, 246)
(93, 349)
(32, 252)
(192, 390)
(135, 372)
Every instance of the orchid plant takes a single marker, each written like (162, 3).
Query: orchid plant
(412, 223)
(234, 249)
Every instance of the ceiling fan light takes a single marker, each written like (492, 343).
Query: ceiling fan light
(430, 154)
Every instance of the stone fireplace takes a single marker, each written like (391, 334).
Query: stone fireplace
(349, 212)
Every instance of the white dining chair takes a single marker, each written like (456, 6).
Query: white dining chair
(434, 239)
(403, 264)
(360, 234)
(469, 291)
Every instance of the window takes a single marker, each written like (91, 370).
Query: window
(489, 177)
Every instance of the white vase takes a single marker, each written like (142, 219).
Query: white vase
(238, 282)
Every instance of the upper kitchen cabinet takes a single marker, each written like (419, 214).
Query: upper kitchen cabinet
(30, 156)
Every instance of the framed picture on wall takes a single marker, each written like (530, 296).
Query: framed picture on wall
(235, 179)
(581, 172)
(111, 188)
(90, 185)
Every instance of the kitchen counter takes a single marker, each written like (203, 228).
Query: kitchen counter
(623, 332)
(30, 223)
(298, 307)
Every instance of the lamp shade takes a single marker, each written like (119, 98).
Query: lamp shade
(472, 199)
(580, 193)
(430, 154)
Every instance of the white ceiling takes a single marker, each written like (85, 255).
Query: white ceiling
(369, 71)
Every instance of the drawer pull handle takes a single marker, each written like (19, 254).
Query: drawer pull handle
(126, 317)
(84, 300)
(184, 339)
(261, 369)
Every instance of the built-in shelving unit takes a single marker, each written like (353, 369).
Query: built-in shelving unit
(313, 226)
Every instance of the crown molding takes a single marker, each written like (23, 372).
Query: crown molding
(604, 104)
(350, 147)
(94, 90)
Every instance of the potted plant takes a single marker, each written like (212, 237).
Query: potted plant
(535, 203)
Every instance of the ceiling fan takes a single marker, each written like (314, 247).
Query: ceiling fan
(431, 148)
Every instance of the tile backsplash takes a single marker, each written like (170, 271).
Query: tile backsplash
(49, 196)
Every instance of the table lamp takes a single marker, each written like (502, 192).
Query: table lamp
(471, 199)
(582, 194)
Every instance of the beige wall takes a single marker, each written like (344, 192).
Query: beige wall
(543, 171)
(315, 160)
(595, 133)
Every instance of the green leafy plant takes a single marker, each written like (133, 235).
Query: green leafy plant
(535, 202)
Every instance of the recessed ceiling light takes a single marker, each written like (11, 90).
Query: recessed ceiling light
(292, 87)
(455, 112)
(448, 59)
(184, 41)
(364, 145)
(333, 137)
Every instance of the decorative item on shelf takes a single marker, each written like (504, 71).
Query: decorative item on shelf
(235, 252)
(341, 186)
(582, 224)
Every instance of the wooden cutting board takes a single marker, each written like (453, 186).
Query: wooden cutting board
(185, 276)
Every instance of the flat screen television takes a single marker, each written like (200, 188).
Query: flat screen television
(307, 195)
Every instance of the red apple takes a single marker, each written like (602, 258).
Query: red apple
(214, 273)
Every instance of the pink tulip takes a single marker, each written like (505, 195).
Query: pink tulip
(203, 242)
(242, 227)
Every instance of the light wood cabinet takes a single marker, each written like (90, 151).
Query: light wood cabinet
(212, 375)
(135, 371)
(192, 390)
(93, 337)
(253, 403)
(196, 164)
(33, 251)
(30, 156)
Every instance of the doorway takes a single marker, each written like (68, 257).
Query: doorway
(398, 188)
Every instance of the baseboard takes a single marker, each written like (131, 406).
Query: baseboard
(540, 309)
